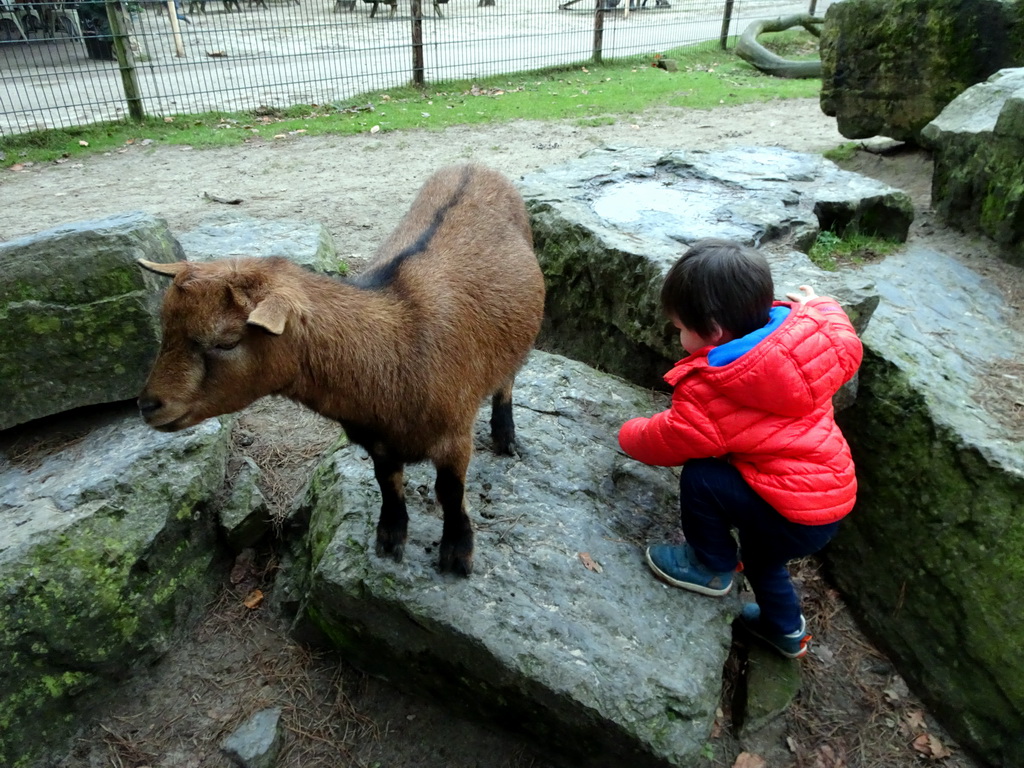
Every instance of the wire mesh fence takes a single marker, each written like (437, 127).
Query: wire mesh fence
(67, 64)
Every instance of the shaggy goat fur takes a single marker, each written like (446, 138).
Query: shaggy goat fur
(401, 356)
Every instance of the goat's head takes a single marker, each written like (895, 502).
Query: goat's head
(221, 347)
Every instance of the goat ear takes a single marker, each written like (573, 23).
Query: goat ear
(167, 270)
(270, 314)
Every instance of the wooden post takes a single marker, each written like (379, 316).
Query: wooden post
(599, 30)
(814, 4)
(125, 62)
(726, 23)
(179, 44)
(418, 67)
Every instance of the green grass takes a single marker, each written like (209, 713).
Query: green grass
(830, 251)
(843, 152)
(592, 94)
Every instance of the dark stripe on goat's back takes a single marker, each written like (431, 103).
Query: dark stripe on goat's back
(383, 275)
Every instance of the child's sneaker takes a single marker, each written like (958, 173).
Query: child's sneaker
(679, 566)
(792, 646)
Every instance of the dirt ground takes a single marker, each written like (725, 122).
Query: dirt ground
(853, 710)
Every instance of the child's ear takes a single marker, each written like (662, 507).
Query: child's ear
(718, 335)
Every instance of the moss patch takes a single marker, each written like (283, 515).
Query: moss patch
(932, 559)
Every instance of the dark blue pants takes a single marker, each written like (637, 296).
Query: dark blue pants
(714, 499)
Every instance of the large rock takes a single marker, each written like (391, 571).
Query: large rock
(106, 546)
(76, 314)
(978, 141)
(931, 558)
(561, 630)
(608, 226)
(889, 67)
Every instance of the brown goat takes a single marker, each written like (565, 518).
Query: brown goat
(401, 356)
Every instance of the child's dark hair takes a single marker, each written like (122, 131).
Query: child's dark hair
(719, 282)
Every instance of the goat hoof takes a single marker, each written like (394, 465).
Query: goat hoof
(505, 445)
(394, 550)
(460, 565)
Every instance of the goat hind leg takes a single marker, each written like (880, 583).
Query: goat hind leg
(503, 428)
(393, 525)
(457, 537)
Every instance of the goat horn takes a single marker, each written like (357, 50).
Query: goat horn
(168, 270)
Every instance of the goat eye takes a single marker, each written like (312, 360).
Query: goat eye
(227, 345)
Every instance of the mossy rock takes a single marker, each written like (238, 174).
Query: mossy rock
(978, 140)
(931, 560)
(106, 550)
(77, 316)
(890, 66)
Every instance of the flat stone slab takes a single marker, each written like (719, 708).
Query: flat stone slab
(233, 235)
(561, 630)
(609, 225)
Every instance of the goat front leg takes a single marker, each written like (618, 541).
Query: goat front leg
(457, 536)
(393, 525)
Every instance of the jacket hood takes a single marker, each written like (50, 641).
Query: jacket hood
(789, 367)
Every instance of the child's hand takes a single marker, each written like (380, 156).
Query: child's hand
(806, 294)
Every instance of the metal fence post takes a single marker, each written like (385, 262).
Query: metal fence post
(418, 67)
(599, 30)
(726, 22)
(125, 62)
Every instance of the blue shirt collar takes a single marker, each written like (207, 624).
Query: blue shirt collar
(735, 349)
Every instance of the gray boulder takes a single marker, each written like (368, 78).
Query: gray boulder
(106, 548)
(561, 630)
(230, 235)
(76, 314)
(930, 559)
(607, 228)
(256, 742)
(978, 141)
(243, 511)
(889, 67)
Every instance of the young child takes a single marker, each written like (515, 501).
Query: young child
(752, 425)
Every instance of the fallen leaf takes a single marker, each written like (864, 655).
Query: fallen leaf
(168, 119)
(83, 143)
(589, 563)
(280, 136)
(216, 54)
(375, 129)
(17, 167)
(253, 599)
(792, 744)
(930, 746)
(825, 757)
(749, 760)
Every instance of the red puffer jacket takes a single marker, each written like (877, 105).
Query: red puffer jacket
(768, 411)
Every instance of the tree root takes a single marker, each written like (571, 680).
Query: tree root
(751, 51)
